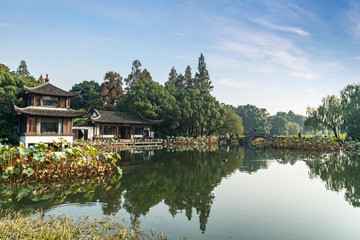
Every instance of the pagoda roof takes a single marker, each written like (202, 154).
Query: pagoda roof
(49, 112)
(48, 89)
(102, 116)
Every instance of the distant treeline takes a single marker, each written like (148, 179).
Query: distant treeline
(184, 103)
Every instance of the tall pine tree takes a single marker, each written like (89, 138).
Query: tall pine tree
(202, 79)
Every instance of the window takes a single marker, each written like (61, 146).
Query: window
(32, 125)
(51, 126)
(108, 130)
(138, 131)
(50, 101)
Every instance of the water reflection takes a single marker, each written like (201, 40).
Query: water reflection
(339, 172)
(183, 180)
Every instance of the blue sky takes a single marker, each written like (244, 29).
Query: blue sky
(277, 54)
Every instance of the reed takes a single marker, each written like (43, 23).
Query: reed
(17, 225)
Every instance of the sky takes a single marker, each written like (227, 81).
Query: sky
(276, 54)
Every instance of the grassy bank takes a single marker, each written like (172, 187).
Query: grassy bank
(16, 225)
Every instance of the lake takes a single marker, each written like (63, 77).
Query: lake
(230, 193)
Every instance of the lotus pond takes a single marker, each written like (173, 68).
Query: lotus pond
(228, 193)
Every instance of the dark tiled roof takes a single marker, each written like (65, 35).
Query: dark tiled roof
(49, 112)
(48, 89)
(121, 117)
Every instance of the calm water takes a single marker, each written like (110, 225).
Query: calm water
(252, 195)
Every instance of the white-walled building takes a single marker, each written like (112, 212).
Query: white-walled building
(111, 124)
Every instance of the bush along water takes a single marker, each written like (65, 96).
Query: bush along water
(42, 163)
(313, 143)
(209, 143)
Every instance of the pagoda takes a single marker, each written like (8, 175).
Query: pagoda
(47, 116)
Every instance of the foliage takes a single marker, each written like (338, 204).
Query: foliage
(136, 74)
(281, 125)
(350, 109)
(17, 225)
(90, 96)
(232, 123)
(255, 119)
(292, 128)
(11, 89)
(326, 116)
(41, 163)
(22, 70)
(152, 101)
(199, 112)
(171, 82)
(202, 78)
(201, 81)
(111, 89)
(278, 125)
(315, 143)
(209, 143)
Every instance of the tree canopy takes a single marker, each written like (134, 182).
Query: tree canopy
(350, 110)
(111, 89)
(11, 89)
(255, 119)
(326, 116)
(90, 96)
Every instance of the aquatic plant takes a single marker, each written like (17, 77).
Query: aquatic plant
(42, 163)
(313, 143)
(16, 225)
(209, 143)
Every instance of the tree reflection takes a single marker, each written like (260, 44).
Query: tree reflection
(339, 172)
(183, 180)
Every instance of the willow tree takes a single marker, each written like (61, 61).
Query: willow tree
(350, 106)
(326, 116)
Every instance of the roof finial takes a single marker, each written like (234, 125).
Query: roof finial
(47, 80)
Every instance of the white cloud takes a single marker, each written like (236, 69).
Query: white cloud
(263, 47)
(181, 34)
(298, 31)
(232, 83)
(275, 90)
(304, 75)
(354, 17)
(310, 90)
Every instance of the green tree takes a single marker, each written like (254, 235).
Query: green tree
(171, 82)
(90, 96)
(189, 81)
(11, 89)
(326, 116)
(135, 73)
(111, 89)
(180, 82)
(232, 123)
(278, 124)
(200, 114)
(152, 101)
(292, 128)
(202, 78)
(255, 119)
(350, 108)
(22, 70)
(41, 78)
